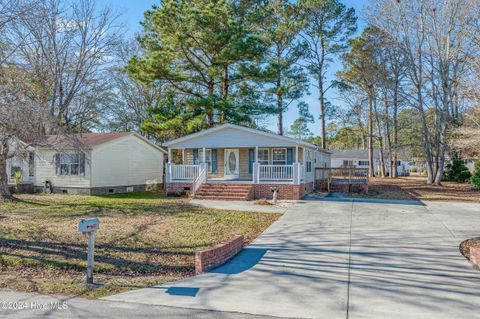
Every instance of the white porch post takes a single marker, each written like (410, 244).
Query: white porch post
(169, 155)
(183, 156)
(296, 153)
(296, 173)
(256, 168)
(204, 155)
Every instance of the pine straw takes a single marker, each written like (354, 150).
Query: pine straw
(466, 244)
(416, 188)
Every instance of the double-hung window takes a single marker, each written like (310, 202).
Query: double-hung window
(309, 162)
(70, 164)
(347, 163)
(263, 156)
(279, 156)
(363, 163)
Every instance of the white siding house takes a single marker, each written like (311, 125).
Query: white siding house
(231, 155)
(108, 163)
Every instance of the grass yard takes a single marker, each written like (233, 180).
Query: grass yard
(144, 239)
(415, 187)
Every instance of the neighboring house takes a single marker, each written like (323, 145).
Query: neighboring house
(22, 161)
(470, 163)
(236, 162)
(98, 164)
(359, 159)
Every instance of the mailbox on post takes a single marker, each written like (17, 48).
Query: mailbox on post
(89, 226)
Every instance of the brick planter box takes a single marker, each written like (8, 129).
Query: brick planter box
(217, 255)
(475, 256)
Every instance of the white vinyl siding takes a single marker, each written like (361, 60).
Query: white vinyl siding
(126, 161)
(45, 170)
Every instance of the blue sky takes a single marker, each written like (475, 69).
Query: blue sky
(132, 13)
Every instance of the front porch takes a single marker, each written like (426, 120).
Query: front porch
(263, 168)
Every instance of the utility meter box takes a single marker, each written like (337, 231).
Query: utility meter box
(88, 225)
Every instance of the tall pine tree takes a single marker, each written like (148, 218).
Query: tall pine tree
(283, 78)
(203, 50)
(328, 24)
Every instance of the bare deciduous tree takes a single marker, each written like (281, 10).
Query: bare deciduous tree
(53, 55)
(435, 39)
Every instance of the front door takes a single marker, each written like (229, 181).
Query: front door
(232, 164)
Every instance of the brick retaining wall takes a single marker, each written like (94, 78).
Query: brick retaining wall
(475, 256)
(219, 254)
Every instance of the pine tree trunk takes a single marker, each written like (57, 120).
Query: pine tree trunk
(380, 141)
(211, 120)
(322, 111)
(395, 130)
(388, 135)
(370, 135)
(280, 113)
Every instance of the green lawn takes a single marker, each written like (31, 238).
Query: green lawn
(144, 239)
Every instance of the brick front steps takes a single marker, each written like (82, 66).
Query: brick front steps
(225, 192)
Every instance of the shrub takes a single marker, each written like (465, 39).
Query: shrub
(475, 179)
(457, 172)
(17, 176)
(413, 170)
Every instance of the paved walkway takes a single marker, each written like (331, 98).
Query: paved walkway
(344, 259)
(281, 207)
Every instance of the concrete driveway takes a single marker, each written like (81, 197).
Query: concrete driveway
(344, 259)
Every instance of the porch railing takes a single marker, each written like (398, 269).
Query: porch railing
(182, 172)
(276, 172)
(350, 174)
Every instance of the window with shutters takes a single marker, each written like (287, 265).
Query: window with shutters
(208, 158)
(70, 164)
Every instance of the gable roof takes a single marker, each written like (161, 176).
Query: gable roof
(92, 139)
(88, 139)
(239, 128)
